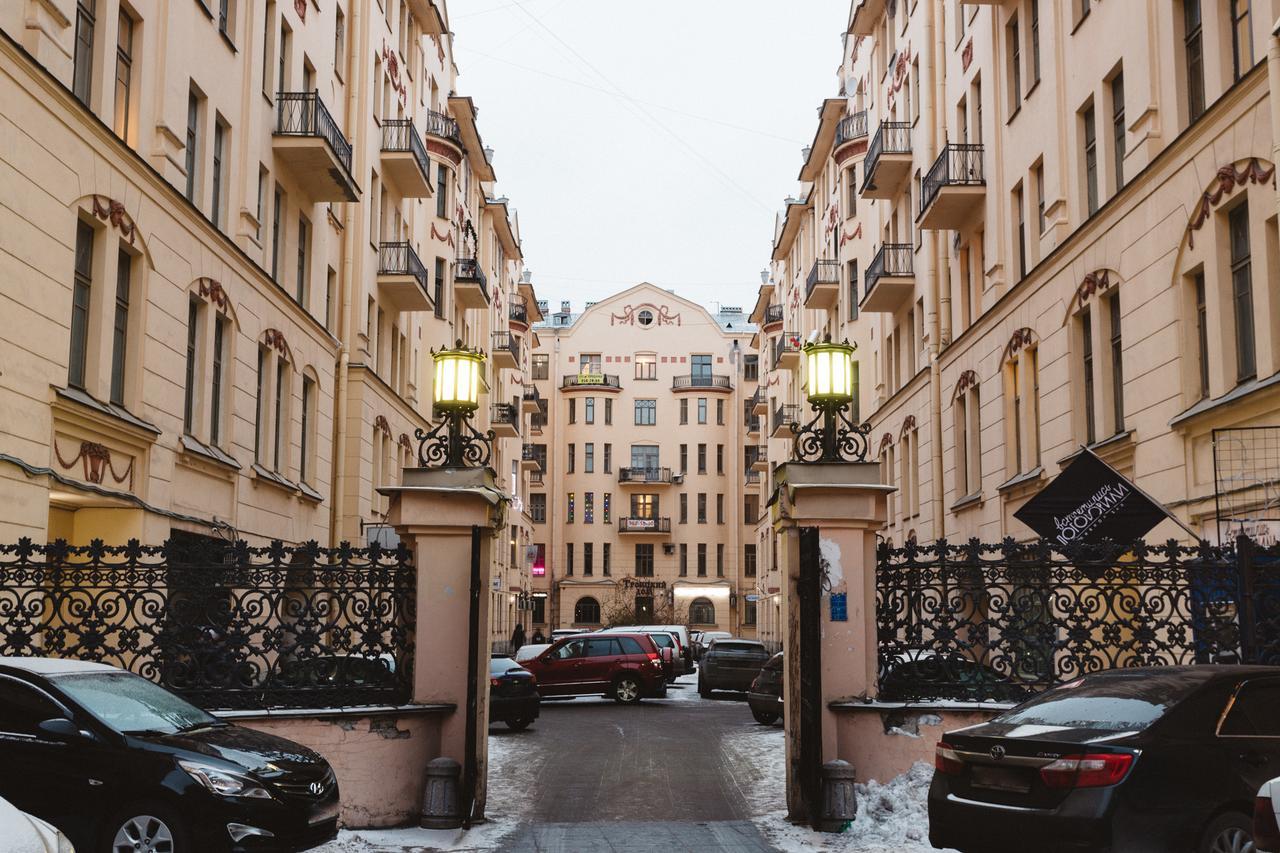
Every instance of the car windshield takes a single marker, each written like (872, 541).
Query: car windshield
(1105, 704)
(130, 704)
(497, 666)
(722, 646)
(663, 640)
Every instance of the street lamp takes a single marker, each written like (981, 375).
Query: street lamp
(831, 387)
(454, 442)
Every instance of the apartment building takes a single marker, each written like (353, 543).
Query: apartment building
(234, 233)
(648, 496)
(1042, 233)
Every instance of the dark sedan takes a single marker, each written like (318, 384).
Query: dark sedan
(113, 760)
(765, 695)
(513, 694)
(1125, 761)
(730, 665)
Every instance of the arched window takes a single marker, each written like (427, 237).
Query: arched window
(587, 611)
(702, 612)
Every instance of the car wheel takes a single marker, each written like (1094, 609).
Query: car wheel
(764, 718)
(1228, 833)
(518, 725)
(626, 690)
(149, 828)
(703, 690)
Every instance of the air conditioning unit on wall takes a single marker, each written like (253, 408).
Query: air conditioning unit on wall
(668, 548)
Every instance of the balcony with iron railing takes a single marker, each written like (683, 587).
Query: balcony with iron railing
(518, 313)
(786, 353)
(772, 316)
(536, 477)
(310, 143)
(402, 278)
(851, 128)
(783, 417)
(644, 524)
(470, 287)
(752, 477)
(538, 420)
(441, 126)
(953, 192)
(701, 382)
(822, 287)
(530, 458)
(644, 476)
(757, 456)
(888, 160)
(750, 419)
(759, 402)
(404, 158)
(504, 420)
(890, 278)
(507, 351)
(590, 381)
(529, 399)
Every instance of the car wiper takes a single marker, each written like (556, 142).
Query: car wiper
(213, 724)
(146, 732)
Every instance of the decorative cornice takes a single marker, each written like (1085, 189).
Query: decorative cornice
(662, 316)
(440, 149)
(110, 210)
(886, 440)
(446, 237)
(381, 425)
(908, 425)
(1021, 339)
(966, 55)
(274, 338)
(404, 441)
(300, 6)
(1229, 178)
(967, 380)
(213, 291)
(96, 461)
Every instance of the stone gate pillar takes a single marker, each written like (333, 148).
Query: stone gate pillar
(436, 512)
(826, 515)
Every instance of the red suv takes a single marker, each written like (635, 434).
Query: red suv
(624, 666)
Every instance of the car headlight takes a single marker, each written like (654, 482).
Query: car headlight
(224, 783)
(64, 845)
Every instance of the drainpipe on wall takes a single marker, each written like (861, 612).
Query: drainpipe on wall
(934, 40)
(1273, 73)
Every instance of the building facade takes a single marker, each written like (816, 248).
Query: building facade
(645, 511)
(1042, 234)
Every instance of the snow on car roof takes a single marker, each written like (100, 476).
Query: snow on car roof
(55, 666)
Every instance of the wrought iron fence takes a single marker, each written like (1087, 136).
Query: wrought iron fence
(228, 626)
(304, 114)
(399, 258)
(772, 314)
(959, 164)
(700, 380)
(398, 134)
(981, 621)
(822, 272)
(518, 310)
(468, 269)
(893, 260)
(439, 124)
(851, 127)
(892, 137)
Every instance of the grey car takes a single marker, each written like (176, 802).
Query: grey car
(730, 665)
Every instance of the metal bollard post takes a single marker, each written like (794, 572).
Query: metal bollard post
(440, 808)
(839, 804)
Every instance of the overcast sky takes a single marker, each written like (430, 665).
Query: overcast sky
(647, 141)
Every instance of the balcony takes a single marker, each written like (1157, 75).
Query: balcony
(518, 314)
(701, 382)
(529, 458)
(440, 126)
(469, 285)
(759, 402)
(538, 420)
(535, 477)
(644, 476)
(888, 161)
(851, 128)
(309, 142)
(506, 351)
(786, 353)
(530, 399)
(504, 420)
(638, 524)
(591, 382)
(866, 16)
(772, 317)
(757, 457)
(752, 479)
(404, 158)
(890, 279)
(783, 417)
(822, 288)
(750, 419)
(954, 191)
(402, 278)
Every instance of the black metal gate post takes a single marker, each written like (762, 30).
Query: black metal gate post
(809, 591)
(1247, 608)
(469, 767)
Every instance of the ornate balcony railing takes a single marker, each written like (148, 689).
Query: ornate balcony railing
(644, 475)
(851, 128)
(782, 347)
(772, 314)
(399, 134)
(439, 124)
(509, 343)
(784, 416)
(518, 311)
(894, 260)
(591, 380)
(959, 164)
(823, 272)
(304, 114)
(529, 453)
(637, 524)
(468, 269)
(892, 137)
(704, 380)
(752, 476)
(400, 259)
(505, 413)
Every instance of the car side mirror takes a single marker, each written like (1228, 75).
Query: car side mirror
(61, 728)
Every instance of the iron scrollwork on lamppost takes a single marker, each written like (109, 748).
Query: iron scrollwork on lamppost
(831, 386)
(454, 442)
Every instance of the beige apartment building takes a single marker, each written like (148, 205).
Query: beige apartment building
(646, 497)
(234, 232)
(1042, 233)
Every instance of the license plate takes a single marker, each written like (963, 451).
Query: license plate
(999, 779)
(327, 812)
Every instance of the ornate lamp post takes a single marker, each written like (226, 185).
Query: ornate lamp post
(831, 387)
(454, 442)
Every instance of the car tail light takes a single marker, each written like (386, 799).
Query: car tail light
(1266, 834)
(495, 682)
(1087, 771)
(946, 761)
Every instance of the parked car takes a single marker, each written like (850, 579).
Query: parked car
(558, 633)
(764, 696)
(24, 833)
(627, 667)
(730, 665)
(666, 640)
(513, 694)
(1266, 818)
(681, 632)
(709, 637)
(105, 756)
(1143, 760)
(922, 672)
(529, 651)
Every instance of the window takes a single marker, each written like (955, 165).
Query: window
(646, 412)
(588, 559)
(340, 43)
(684, 508)
(606, 554)
(702, 410)
(587, 611)
(1242, 291)
(1117, 128)
(700, 366)
(439, 300)
(608, 458)
(748, 612)
(590, 363)
(120, 326)
(263, 179)
(720, 459)
(1252, 714)
(720, 412)
(81, 292)
(589, 415)
(684, 559)
(23, 709)
(720, 560)
(1015, 65)
(1038, 173)
(225, 22)
(442, 192)
(588, 507)
(221, 325)
(569, 459)
(541, 363)
(644, 506)
(968, 448)
(1202, 332)
(302, 287)
(1035, 42)
(124, 75)
(538, 507)
(308, 419)
(193, 130)
(684, 410)
(644, 560)
(702, 559)
(720, 508)
(282, 60)
(1241, 38)
(569, 504)
(702, 612)
(684, 458)
(279, 458)
(852, 275)
(749, 560)
(1117, 363)
(702, 507)
(646, 366)
(702, 459)
(573, 410)
(751, 368)
(568, 558)
(188, 404)
(589, 457)
(268, 45)
(1193, 56)
(276, 215)
(608, 411)
(260, 401)
(1022, 412)
(1090, 160)
(219, 145)
(1090, 420)
(1020, 235)
(82, 71)
(750, 509)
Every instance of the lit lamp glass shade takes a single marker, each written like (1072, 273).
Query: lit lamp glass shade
(457, 380)
(830, 374)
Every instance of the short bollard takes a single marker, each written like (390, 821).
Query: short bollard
(839, 802)
(440, 809)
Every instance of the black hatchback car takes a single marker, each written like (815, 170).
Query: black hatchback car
(513, 694)
(119, 763)
(1125, 761)
(765, 695)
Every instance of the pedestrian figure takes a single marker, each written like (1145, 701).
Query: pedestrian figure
(517, 638)
(538, 639)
